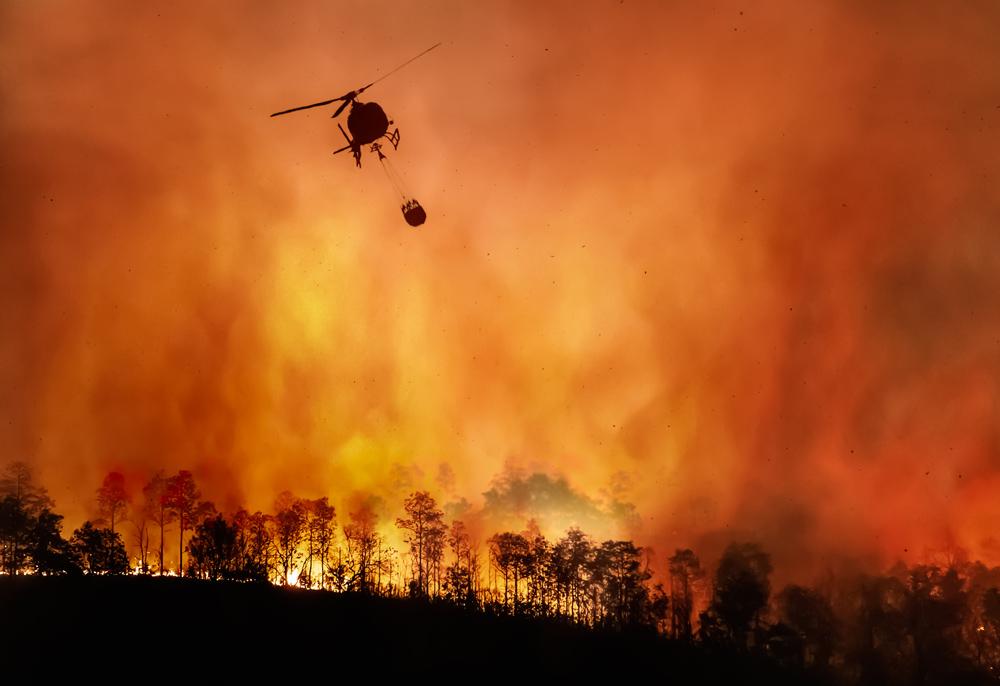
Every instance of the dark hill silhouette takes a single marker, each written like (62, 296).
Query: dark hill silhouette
(188, 629)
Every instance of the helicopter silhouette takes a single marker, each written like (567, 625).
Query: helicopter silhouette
(366, 121)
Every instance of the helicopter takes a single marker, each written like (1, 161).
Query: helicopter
(368, 124)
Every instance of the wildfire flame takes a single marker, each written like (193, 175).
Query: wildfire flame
(754, 294)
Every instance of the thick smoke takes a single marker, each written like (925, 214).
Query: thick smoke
(737, 265)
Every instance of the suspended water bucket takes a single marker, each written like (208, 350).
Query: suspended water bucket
(413, 213)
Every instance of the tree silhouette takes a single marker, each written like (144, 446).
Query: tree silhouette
(425, 534)
(986, 631)
(49, 552)
(434, 550)
(537, 569)
(915, 625)
(100, 551)
(810, 614)
(15, 525)
(622, 579)
(881, 646)
(685, 572)
(254, 543)
(935, 608)
(320, 530)
(459, 584)
(572, 556)
(509, 553)
(214, 549)
(289, 527)
(140, 518)
(155, 504)
(181, 497)
(17, 481)
(112, 498)
(363, 542)
(741, 591)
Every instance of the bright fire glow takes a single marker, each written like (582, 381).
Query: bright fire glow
(744, 277)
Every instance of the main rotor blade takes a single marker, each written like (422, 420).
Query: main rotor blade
(363, 89)
(306, 107)
(353, 94)
(340, 109)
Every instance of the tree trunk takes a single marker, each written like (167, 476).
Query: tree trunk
(180, 552)
(161, 540)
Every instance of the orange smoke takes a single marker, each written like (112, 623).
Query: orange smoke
(737, 266)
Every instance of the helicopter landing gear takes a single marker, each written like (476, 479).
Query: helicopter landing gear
(393, 138)
(351, 145)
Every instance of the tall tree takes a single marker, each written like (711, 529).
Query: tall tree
(624, 595)
(987, 630)
(15, 527)
(459, 576)
(21, 502)
(140, 518)
(155, 504)
(685, 574)
(320, 527)
(437, 543)
(289, 527)
(255, 543)
(181, 497)
(810, 614)
(536, 567)
(741, 591)
(112, 498)
(936, 605)
(363, 542)
(880, 640)
(425, 533)
(17, 481)
(571, 560)
(509, 553)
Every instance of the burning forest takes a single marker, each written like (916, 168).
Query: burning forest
(699, 341)
(927, 623)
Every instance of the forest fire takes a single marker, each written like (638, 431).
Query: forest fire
(269, 346)
(751, 299)
(926, 623)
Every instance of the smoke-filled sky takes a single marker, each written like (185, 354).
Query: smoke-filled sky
(735, 264)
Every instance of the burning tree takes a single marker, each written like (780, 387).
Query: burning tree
(23, 505)
(155, 505)
(426, 531)
(112, 498)
(509, 554)
(320, 528)
(460, 576)
(289, 524)
(571, 561)
(685, 573)
(17, 482)
(363, 545)
(624, 595)
(255, 545)
(100, 551)
(741, 592)
(181, 497)
(214, 549)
